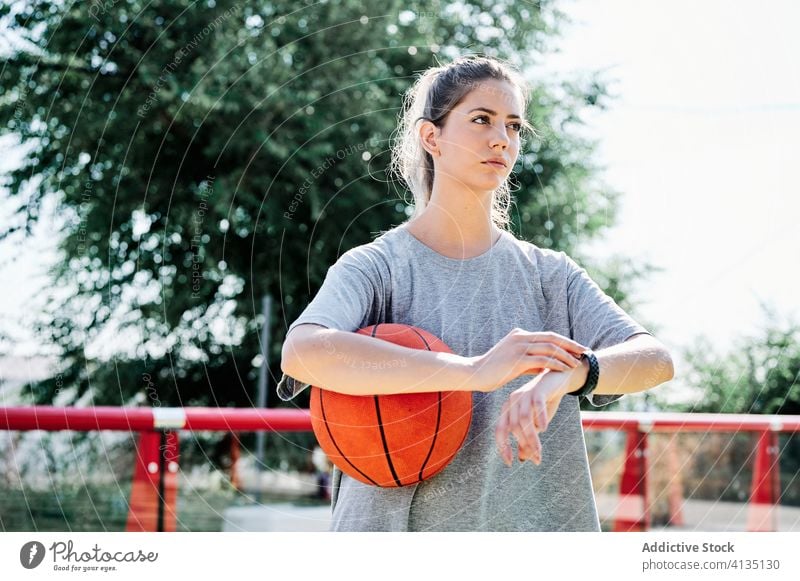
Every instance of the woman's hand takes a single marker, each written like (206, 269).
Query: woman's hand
(529, 409)
(523, 352)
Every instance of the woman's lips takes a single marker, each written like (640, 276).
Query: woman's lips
(495, 164)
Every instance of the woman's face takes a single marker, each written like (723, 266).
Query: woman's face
(486, 124)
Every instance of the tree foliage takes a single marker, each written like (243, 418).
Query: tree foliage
(759, 375)
(203, 155)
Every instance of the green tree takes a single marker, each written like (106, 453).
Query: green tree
(184, 146)
(759, 375)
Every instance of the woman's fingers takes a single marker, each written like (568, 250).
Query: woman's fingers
(501, 434)
(521, 420)
(513, 420)
(539, 364)
(539, 414)
(532, 448)
(554, 352)
(542, 356)
(555, 339)
(524, 419)
(531, 425)
(565, 343)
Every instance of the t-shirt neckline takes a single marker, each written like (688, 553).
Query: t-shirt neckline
(446, 261)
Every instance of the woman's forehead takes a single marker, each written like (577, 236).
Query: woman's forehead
(500, 96)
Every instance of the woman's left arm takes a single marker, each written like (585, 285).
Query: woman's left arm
(634, 365)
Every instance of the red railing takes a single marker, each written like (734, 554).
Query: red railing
(154, 492)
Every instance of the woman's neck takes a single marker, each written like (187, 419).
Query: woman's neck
(457, 231)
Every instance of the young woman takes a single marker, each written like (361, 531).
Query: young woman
(528, 327)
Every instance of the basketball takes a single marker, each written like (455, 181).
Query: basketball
(392, 440)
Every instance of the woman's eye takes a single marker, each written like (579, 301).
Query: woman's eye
(517, 126)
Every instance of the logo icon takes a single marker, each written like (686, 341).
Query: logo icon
(31, 554)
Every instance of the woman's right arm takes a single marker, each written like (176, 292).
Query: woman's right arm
(356, 364)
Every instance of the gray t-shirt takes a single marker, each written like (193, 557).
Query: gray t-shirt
(472, 304)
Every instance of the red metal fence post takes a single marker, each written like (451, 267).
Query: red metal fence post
(154, 491)
(234, 460)
(765, 490)
(633, 514)
(675, 484)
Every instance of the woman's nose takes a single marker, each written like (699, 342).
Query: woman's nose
(500, 137)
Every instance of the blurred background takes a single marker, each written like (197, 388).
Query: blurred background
(177, 177)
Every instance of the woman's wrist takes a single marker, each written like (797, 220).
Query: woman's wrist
(577, 377)
(470, 370)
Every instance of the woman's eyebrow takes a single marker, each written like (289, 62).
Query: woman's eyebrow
(490, 112)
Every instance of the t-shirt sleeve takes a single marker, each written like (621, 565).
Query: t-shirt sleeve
(595, 319)
(345, 301)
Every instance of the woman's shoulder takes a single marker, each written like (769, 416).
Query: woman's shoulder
(544, 259)
(373, 257)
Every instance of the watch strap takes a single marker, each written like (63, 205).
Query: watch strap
(592, 377)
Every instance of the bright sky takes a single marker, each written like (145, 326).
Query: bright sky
(699, 141)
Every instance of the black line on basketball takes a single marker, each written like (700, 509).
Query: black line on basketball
(330, 434)
(438, 416)
(387, 455)
(435, 435)
(428, 347)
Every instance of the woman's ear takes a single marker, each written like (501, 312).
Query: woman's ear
(429, 133)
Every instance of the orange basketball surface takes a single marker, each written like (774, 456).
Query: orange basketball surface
(398, 439)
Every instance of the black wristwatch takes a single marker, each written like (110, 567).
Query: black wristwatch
(592, 377)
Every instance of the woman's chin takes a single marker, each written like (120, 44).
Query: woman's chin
(487, 185)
